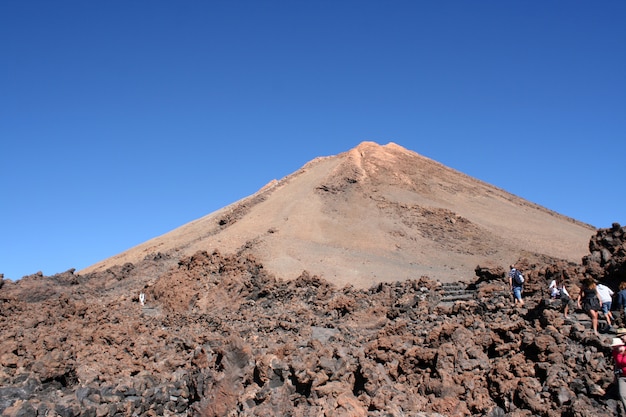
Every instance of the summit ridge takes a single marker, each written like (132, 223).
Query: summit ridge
(375, 213)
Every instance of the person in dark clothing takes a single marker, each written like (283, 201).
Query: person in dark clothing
(589, 300)
(620, 300)
(517, 287)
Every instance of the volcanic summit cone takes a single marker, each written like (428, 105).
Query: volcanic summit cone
(372, 214)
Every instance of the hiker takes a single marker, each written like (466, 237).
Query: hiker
(621, 300)
(559, 292)
(516, 282)
(589, 301)
(606, 299)
(554, 288)
(619, 356)
(621, 333)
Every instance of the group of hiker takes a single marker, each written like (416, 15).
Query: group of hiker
(593, 298)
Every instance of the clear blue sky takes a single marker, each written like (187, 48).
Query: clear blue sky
(123, 120)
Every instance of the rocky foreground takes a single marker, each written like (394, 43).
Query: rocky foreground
(218, 336)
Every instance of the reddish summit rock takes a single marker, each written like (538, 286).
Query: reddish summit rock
(374, 214)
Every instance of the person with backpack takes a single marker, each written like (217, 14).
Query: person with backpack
(516, 282)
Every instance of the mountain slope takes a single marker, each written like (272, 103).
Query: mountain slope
(372, 214)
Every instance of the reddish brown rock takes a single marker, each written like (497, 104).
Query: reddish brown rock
(219, 336)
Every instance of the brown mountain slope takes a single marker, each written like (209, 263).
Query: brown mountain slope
(374, 213)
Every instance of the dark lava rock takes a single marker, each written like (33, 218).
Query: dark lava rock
(218, 336)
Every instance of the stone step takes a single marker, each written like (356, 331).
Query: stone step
(455, 291)
(150, 311)
(453, 285)
(585, 320)
(458, 296)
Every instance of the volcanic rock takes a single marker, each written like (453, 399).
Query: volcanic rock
(371, 283)
(220, 336)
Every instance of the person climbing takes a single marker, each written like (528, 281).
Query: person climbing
(619, 357)
(606, 299)
(621, 301)
(559, 292)
(554, 289)
(516, 282)
(589, 301)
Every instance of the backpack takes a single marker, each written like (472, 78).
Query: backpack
(518, 277)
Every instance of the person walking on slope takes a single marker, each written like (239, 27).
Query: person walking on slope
(621, 300)
(606, 298)
(554, 289)
(516, 282)
(619, 356)
(589, 301)
(559, 292)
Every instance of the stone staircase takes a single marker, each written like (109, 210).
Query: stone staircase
(579, 316)
(455, 291)
(150, 311)
(585, 320)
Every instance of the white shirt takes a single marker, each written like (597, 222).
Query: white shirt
(605, 293)
(555, 292)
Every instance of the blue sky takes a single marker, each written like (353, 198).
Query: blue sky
(123, 120)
